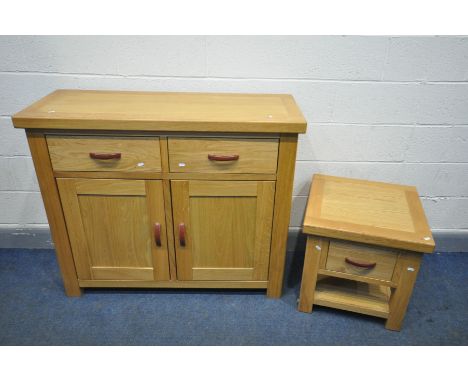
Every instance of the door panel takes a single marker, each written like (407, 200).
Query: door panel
(227, 229)
(111, 224)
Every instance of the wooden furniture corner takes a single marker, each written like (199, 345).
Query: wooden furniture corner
(51, 199)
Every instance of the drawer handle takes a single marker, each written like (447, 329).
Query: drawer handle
(182, 234)
(157, 234)
(223, 158)
(105, 155)
(359, 264)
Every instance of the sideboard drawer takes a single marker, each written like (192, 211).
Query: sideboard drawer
(362, 260)
(97, 153)
(223, 155)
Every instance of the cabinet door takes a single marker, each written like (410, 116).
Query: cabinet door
(222, 229)
(116, 228)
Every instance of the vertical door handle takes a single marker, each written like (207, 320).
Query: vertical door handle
(157, 234)
(182, 234)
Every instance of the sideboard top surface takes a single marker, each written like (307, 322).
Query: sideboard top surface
(163, 111)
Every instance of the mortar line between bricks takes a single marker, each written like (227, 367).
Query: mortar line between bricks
(424, 197)
(372, 161)
(24, 225)
(384, 124)
(296, 227)
(21, 191)
(15, 156)
(214, 78)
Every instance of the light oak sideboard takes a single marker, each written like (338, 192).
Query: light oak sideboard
(166, 190)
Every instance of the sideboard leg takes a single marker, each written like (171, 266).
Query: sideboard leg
(407, 268)
(282, 212)
(50, 196)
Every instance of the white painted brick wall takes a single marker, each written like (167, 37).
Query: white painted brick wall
(385, 108)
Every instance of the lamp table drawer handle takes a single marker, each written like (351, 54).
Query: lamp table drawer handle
(360, 264)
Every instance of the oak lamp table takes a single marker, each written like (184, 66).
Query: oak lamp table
(365, 241)
(166, 190)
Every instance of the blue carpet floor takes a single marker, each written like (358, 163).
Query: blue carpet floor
(35, 311)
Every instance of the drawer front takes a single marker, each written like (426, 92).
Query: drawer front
(362, 260)
(94, 153)
(223, 155)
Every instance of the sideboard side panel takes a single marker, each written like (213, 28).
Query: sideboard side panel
(50, 196)
(282, 212)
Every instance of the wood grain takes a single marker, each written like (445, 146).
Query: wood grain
(370, 212)
(263, 228)
(122, 273)
(245, 274)
(222, 188)
(407, 269)
(353, 296)
(350, 276)
(282, 213)
(159, 133)
(71, 153)
(151, 111)
(325, 244)
(384, 259)
(76, 232)
(222, 232)
(309, 273)
(111, 226)
(156, 213)
(228, 226)
(116, 230)
(110, 207)
(170, 229)
(181, 214)
(173, 284)
(109, 187)
(256, 156)
(50, 196)
(164, 149)
(357, 210)
(160, 175)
